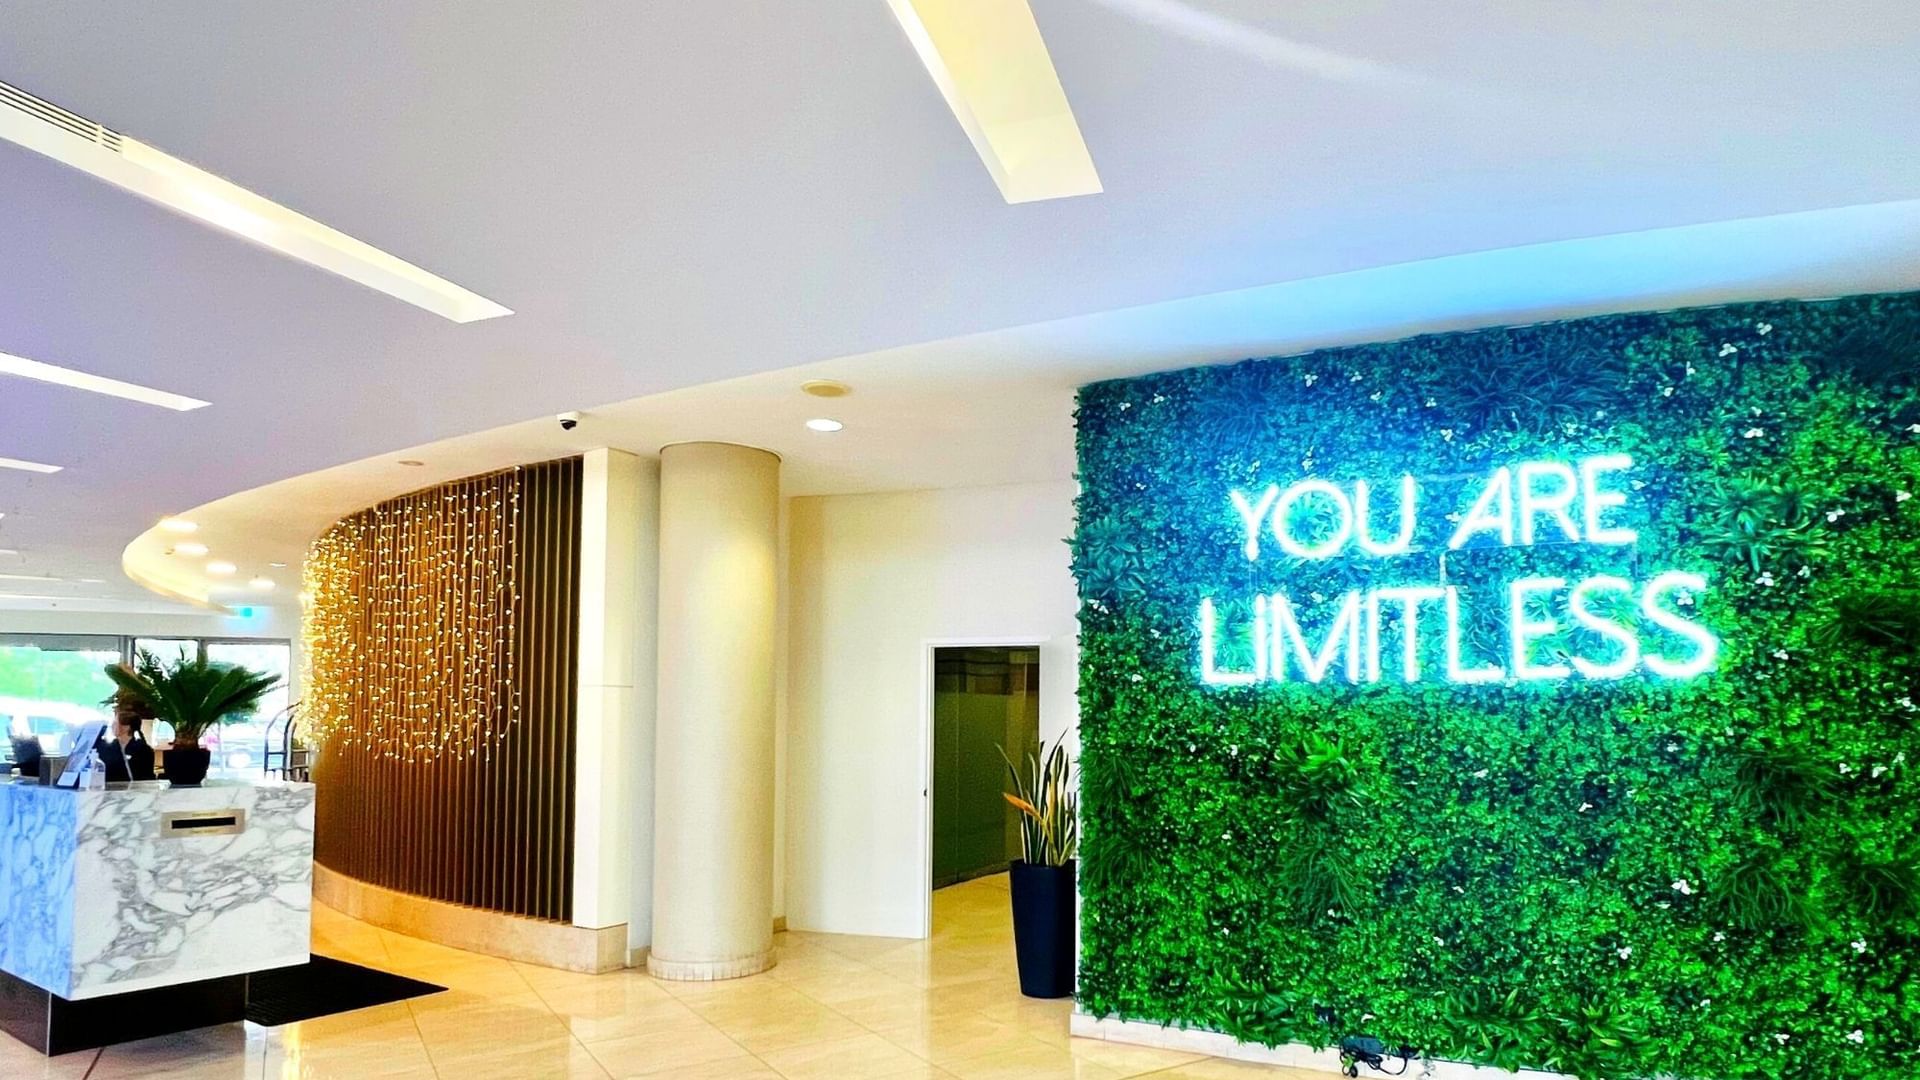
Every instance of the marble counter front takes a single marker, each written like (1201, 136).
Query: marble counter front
(99, 896)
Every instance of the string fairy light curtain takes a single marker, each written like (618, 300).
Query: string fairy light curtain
(412, 616)
(440, 634)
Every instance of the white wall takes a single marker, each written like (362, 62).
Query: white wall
(874, 580)
(613, 729)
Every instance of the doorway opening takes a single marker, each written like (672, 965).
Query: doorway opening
(985, 699)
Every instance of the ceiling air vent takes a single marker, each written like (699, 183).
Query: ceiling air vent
(17, 100)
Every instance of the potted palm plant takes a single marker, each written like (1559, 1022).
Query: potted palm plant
(193, 695)
(1042, 879)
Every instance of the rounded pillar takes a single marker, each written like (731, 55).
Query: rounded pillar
(713, 765)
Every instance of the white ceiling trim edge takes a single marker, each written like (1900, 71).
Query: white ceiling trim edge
(927, 415)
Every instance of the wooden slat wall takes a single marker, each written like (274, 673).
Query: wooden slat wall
(494, 830)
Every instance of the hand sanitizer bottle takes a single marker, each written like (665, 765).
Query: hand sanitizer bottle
(96, 772)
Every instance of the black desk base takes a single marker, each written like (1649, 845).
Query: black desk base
(53, 1025)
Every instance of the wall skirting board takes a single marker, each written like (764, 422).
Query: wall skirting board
(1215, 1044)
(510, 937)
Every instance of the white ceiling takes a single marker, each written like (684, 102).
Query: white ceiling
(670, 194)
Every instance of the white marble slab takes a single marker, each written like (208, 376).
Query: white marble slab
(96, 900)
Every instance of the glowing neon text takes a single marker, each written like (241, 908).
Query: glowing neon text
(1555, 628)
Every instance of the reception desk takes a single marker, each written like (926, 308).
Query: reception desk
(110, 896)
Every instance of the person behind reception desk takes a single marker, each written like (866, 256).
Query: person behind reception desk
(126, 755)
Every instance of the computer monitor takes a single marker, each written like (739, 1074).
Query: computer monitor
(80, 758)
(26, 754)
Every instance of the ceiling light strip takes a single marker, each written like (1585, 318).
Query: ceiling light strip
(28, 466)
(95, 384)
(153, 174)
(990, 63)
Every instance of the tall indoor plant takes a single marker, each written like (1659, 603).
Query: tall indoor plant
(193, 695)
(1042, 879)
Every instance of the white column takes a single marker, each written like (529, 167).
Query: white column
(613, 770)
(714, 744)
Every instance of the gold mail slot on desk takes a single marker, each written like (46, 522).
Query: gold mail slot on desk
(178, 823)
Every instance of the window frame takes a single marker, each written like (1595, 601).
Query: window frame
(124, 645)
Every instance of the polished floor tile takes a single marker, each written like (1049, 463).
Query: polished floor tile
(666, 1051)
(836, 1007)
(864, 1056)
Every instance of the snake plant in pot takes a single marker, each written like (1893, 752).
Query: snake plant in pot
(1042, 879)
(194, 696)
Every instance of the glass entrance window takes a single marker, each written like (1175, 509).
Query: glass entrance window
(167, 650)
(239, 745)
(51, 685)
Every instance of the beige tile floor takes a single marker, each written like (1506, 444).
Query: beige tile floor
(838, 1007)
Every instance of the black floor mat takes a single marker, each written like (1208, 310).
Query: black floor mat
(323, 986)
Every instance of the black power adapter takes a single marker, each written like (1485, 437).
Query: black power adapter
(1358, 1050)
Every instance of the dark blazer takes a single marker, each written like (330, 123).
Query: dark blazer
(135, 764)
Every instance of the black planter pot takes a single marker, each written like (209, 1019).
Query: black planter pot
(188, 766)
(1043, 927)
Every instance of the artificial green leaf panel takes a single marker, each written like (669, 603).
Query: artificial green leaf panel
(1672, 833)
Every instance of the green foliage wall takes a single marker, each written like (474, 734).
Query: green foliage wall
(1715, 877)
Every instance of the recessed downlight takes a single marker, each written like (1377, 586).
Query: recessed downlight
(261, 584)
(221, 568)
(826, 388)
(278, 565)
(95, 384)
(178, 525)
(133, 166)
(824, 424)
(189, 547)
(28, 466)
(92, 581)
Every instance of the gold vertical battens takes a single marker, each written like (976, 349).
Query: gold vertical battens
(441, 632)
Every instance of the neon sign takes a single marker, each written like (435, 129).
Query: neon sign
(1523, 505)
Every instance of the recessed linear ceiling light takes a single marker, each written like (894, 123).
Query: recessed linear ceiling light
(26, 577)
(278, 565)
(991, 65)
(179, 525)
(189, 548)
(9, 551)
(824, 425)
(28, 466)
(128, 163)
(95, 384)
(221, 568)
(261, 584)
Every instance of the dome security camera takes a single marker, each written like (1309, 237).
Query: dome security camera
(568, 420)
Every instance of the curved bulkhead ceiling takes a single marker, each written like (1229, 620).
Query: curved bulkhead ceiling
(671, 195)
